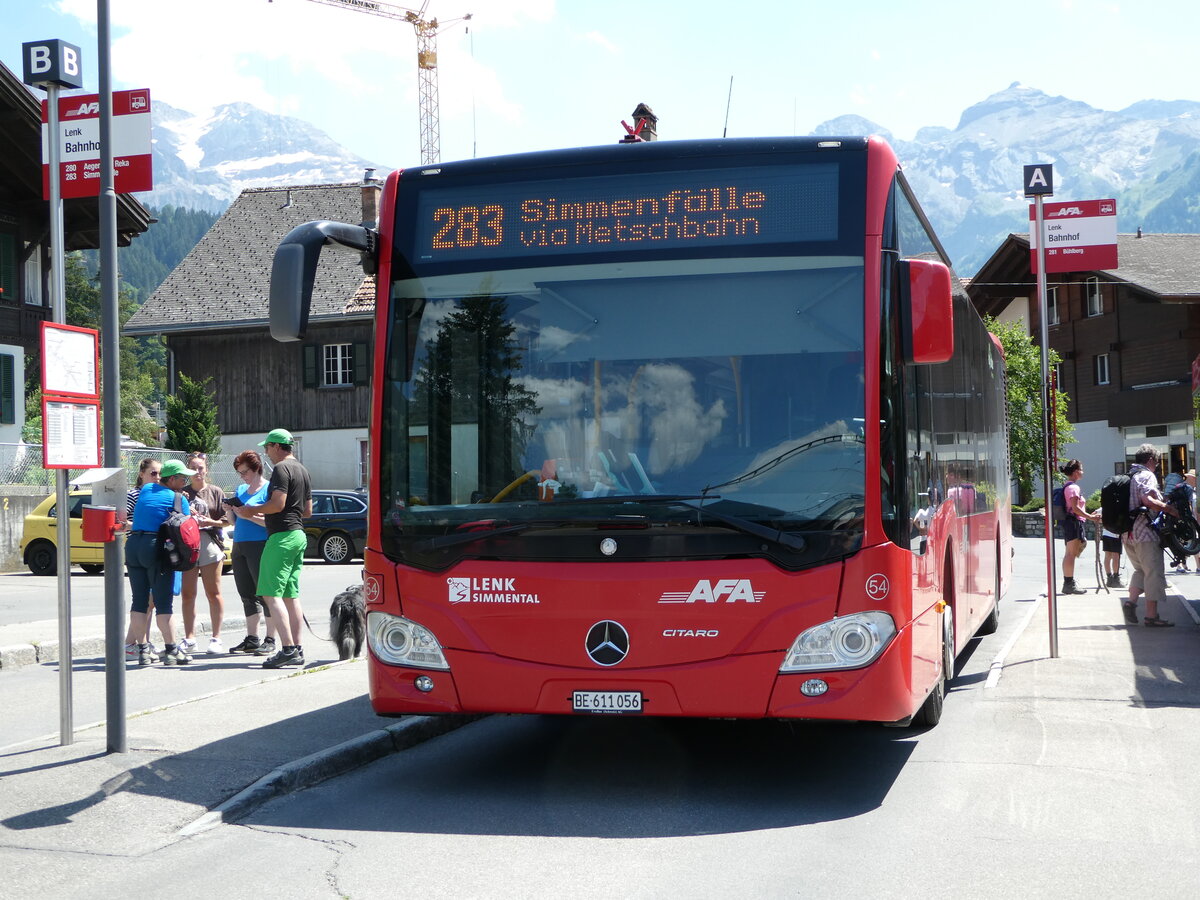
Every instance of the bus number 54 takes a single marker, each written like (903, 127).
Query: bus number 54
(468, 226)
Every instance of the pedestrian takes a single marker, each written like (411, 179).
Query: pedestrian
(249, 539)
(148, 470)
(1075, 524)
(1190, 479)
(1142, 542)
(1112, 558)
(288, 504)
(206, 500)
(147, 573)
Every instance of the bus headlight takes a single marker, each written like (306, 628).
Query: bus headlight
(402, 642)
(849, 642)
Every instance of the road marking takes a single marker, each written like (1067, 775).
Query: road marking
(997, 667)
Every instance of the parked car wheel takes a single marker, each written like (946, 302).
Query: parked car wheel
(336, 548)
(92, 568)
(42, 558)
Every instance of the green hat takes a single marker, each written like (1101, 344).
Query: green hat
(174, 467)
(278, 436)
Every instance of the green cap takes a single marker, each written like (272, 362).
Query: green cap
(278, 436)
(174, 467)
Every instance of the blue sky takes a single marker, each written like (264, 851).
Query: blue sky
(532, 74)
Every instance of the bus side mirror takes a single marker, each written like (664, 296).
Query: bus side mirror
(927, 311)
(294, 271)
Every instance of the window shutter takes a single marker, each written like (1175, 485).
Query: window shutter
(362, 363)
(312, 371)
(8, 390)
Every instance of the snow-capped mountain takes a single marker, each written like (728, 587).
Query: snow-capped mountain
(968, 179)
(204, 162)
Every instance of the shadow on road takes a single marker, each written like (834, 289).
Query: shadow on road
(614, 778)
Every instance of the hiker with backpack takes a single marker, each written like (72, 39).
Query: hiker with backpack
(1142, 542)
(1074, 516)
(148, 571)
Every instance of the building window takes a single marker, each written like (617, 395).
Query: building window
(1100, 369)
(8, 389)
(336, 365)
(1095, 303)
(1057, 370)
(8, 268)
(339, 365)
(1052, 306)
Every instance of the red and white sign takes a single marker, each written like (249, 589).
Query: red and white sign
(1081, 236)
(79, 144)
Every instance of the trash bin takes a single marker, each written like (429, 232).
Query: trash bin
(99, 523)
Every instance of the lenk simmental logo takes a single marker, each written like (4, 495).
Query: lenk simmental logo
(487, 590)
(729, 590)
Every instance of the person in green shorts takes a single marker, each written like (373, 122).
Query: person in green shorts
(288, 504)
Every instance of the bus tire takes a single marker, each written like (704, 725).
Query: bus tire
(930, 712)
(992, 622)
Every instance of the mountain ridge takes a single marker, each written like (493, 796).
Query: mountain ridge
(967, 178)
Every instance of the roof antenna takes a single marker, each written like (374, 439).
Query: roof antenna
(728, 101)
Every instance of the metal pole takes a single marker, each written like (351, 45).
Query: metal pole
(1047, 435)
(62, 493)
(114, 551)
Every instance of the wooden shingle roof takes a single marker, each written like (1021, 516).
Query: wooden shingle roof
(225, 281)
(1163, 266)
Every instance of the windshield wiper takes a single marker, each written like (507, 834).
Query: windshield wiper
(785, 455)
(748, 526)
(469, 537)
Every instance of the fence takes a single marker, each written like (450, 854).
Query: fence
(21, 464)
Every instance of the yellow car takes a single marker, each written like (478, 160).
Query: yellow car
(39, 539)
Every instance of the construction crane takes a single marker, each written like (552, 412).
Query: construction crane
(427, 31)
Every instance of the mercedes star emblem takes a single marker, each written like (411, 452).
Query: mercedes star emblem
(607, 643)
(608, 546)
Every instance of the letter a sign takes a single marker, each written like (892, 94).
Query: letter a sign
(1039, 180)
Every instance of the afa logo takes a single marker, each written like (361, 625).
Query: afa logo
(728, 590)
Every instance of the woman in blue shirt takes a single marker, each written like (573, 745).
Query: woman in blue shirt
(249, 539)
(146, 572)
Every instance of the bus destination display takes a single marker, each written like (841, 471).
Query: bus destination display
(702, 209)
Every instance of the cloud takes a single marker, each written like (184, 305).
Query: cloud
(595, 37)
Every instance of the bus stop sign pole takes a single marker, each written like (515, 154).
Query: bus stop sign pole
(1039, 183)
(52, 65)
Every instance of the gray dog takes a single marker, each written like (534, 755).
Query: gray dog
(348, 621)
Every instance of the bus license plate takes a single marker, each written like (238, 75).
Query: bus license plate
(606, 701)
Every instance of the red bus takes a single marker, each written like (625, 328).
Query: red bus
(694, 428)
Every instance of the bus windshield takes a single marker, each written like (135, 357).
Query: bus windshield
(635, 392)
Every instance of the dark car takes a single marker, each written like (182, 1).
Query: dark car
(337, 529)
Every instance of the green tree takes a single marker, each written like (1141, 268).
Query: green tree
(1023, 367)
(192, 418)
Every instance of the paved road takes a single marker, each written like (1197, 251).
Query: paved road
(25, 597)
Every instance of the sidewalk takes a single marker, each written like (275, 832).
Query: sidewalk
(194, 764)
(26, 643)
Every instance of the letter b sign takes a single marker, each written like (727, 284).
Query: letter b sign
(52, 62)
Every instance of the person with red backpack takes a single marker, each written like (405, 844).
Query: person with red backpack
(144, 562)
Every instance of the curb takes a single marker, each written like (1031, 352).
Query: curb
(17, 655)
(317, 767)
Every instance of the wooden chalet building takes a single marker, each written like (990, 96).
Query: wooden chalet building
(1127, 338)
(212, 313)
(25, 294)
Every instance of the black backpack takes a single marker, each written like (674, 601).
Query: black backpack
(178, 540)
(1114, 505)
